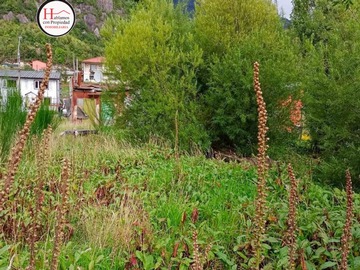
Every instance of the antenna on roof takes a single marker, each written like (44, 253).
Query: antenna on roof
(98, 76)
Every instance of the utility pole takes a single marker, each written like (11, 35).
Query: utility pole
(18, 62)
(18, 52)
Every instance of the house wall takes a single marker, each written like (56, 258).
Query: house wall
(81, 98)
(38, 65)
(53, 91)
(86, 67)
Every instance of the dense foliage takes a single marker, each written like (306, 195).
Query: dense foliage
(33, 40)
(12, 117)
(159, 60)
(127, 210)
(309, 73)
(185, 81)
(330, 36)
(209, 60)
(233, 37)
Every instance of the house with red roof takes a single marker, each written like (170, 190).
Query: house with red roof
(93, 70)
(38, 65)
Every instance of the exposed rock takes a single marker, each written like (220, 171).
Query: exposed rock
(22, 18)
(97, 32)
(9, 17)
(90, 21)
(103, 17)
(86, 8)
(106, 5)
(77, 11)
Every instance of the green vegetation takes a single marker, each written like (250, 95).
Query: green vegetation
(330, 35)
(12, 118)
(81, 42)
(142, 195)
(127, 208)
(77, 43)
(160, 56)
(309, 78)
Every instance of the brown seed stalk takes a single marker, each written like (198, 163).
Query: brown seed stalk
(262, 167)
(18, 149)
(61, 211)
(42, 161)
(291, 222)
(197, 261)
(346, 237)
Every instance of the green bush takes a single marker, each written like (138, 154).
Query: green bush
(159, 59)
(12, 118)
(233, 37)
(331, 83)
(44, 117)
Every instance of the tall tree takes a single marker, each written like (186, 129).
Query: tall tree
(154, 54)
(331, 85)
(234, 34)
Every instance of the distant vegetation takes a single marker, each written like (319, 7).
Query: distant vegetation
(81, 42)
(33, 39)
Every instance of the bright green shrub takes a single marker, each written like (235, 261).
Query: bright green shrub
(155, 55)
(233, 36)
(331, 84)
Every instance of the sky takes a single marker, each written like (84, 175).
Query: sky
(286, 5)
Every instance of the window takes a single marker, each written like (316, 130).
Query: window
(92, 75)
(37, 84)
(93, 67)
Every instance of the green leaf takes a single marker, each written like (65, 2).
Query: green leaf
(272, 239)
(327, 265)
(99, 258)
(357, 263)
(4, 249)
(92, 265)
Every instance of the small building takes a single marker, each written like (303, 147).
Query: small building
(38, 65)
(85, 99)
(93, 70)
(28, 82)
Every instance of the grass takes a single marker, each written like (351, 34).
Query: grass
(128, 210)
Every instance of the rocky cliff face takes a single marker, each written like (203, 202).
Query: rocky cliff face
(92, 13)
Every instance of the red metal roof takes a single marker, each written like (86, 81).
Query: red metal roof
(96, 60)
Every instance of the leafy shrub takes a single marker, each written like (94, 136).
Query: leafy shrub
(159, 59)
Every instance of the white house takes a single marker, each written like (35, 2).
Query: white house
(94, 69)
(28, 82)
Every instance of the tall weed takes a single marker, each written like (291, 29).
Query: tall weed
(12, 117)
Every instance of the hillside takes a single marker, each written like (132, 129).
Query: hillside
(17, 18)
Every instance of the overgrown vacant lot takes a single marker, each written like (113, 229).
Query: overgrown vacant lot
(134, 207)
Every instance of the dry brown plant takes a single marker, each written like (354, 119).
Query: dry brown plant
(201, 258)
(262, 168)
(61, 211)
(197, 261)
(125, 226)
(346, 237)
(42, 158)
(290, 236)
(17, 151)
